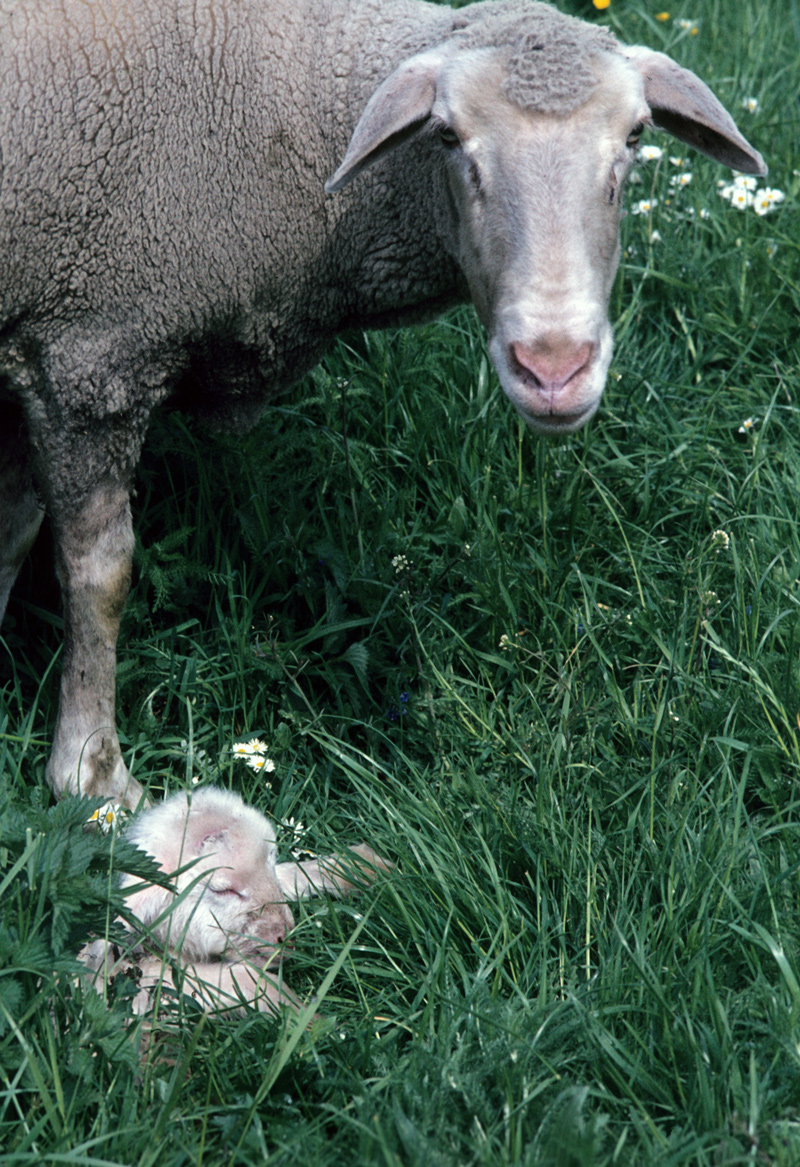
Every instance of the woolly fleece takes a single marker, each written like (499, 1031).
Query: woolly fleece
(548, 56)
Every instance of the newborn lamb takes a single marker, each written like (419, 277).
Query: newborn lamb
(219, 931)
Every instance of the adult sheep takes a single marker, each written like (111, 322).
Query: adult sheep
(166, 236)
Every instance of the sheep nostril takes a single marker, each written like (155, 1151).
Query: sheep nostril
(549, 365)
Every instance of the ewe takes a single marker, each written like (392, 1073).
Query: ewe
(166, 237)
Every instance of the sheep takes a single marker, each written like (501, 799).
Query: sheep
(224, 921)
(169, 239)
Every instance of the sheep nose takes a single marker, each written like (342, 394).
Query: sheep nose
(274, 933)
(550, 364)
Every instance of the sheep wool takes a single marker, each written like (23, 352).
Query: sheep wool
(549, 56)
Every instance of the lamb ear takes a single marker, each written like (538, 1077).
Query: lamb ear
(397, 108)
(685, 107)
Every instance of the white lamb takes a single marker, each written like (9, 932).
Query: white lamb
(225, 919)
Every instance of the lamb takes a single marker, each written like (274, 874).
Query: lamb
(225, 919)
(167, 239)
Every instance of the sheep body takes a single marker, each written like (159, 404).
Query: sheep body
(166, 237)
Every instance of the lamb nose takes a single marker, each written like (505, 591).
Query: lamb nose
(551, 364)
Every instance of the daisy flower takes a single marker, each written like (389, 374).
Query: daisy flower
(644, 206)
(650, 153)
(105, 817)
(254, 753)
(741, 198)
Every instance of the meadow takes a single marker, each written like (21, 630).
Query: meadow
(557, 682)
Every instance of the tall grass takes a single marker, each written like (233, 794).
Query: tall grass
(557, 682)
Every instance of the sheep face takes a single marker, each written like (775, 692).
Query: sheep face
(536, 229)
(532, 173)
(229, 901)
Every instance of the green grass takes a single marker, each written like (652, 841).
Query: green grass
(525, 670)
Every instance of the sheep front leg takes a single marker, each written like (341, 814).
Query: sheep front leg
(337, 874)
(94, 549)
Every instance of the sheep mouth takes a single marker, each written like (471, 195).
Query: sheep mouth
(557, 423)
(265, 955)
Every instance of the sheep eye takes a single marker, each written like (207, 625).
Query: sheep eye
(634, 136)
(448, 137)
(227, 891)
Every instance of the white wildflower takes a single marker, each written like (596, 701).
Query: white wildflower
(705, 213)
(752, 104)
(741, 198)
(644, 206)
(260, 764)
(105, 817)
(254, 753)
(681, 179)
(400, 563)
(761, 204)
(505, 642)
(650, 153)
(677, 161)
(655, 236)
(748, 181)
(766, 200)
(720, 540)
(689, 26)
(748, 425)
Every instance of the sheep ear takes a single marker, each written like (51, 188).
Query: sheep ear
(397, 108)
(685, 107)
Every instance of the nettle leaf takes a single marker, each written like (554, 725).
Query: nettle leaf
(357, 655)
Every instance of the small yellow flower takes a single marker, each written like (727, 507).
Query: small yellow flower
(601, 3)
(662, 16)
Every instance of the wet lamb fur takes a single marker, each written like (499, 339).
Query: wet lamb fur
(166, 238)
(224, 921)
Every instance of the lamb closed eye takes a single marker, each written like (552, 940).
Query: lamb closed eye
(227, 891)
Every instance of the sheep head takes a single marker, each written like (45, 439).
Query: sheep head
(226, 899)
(532, 177)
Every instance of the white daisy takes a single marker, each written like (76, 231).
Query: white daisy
(644, 206)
